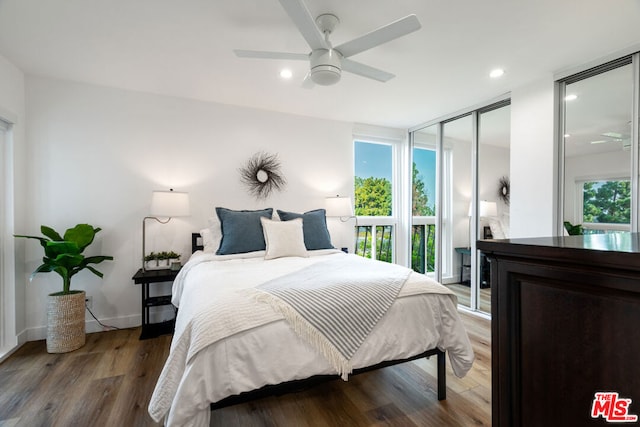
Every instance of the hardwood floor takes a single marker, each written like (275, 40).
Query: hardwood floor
(463, 292)
(109, 381)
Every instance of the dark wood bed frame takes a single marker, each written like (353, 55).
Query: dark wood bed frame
(298, 385)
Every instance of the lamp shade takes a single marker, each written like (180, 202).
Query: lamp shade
(339, 206)
(485, 209)
(170, 204)
(488, 208)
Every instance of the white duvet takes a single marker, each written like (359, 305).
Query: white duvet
(206, 365)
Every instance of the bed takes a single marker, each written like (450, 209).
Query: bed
(267, 301)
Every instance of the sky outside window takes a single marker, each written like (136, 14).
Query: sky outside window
(373, 160)
(425, 161)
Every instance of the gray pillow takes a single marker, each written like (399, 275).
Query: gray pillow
(314, 227)
(241, 231)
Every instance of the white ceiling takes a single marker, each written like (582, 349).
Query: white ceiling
(184, 48)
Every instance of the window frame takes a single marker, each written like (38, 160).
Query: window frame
(394, 220)
(579, 204)
(446, 223)
(8, 338)
(584, 72)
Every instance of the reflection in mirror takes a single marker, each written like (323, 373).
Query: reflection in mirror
(597, 152)
(457, 191)
(494, 136)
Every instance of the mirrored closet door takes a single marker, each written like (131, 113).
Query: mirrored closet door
(494, 187)
(597, 150)
(460, 164)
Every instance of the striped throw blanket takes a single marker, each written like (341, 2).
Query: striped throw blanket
(334, 305)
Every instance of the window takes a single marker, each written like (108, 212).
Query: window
(606, 205)
(423, 210)
(374, 199)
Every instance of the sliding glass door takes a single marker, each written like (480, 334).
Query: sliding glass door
(597, 149)
(457, 143)
(459, 166)
(494, 136)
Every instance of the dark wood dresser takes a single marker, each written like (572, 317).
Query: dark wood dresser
(565, 325)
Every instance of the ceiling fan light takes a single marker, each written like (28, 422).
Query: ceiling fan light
(325, 75)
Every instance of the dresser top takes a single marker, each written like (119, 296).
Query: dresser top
(616, 242)
(614, 249)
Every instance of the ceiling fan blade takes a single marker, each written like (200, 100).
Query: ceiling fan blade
(380, 36)
(366, 71)
(261, 54)
(300, 15)
(307, 83)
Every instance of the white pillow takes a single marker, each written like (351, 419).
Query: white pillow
(212, 235)
(283, 238)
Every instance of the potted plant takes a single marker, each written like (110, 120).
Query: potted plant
(151, 261)
(65, 309)
(174, 260)
(163, 260)
(573, 230)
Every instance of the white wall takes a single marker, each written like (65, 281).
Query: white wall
(12, 107)
(533, 154)
(97, 153)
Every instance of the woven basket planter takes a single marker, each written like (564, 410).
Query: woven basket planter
(65, 322)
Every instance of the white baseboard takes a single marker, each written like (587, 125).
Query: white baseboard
(116, 322)
(91, 326)
(122, 322)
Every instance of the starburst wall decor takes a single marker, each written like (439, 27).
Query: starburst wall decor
(262, 175)
(504, 189)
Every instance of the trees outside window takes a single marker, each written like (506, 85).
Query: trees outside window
(423, 207)
(607, 202)
(374, 200)
(372, 196)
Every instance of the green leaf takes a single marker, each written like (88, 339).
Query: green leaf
(81, 234)
(50, 233)
(94, 271)
(44, 268)
(53, 249)
(42, 240)
(97, 259)
(69, 260)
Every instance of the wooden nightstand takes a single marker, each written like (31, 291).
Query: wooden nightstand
(146, 278)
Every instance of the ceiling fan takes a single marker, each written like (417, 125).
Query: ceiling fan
(326, 61)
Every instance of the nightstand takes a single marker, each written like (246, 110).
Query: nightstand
(464, 267)
(147, 278)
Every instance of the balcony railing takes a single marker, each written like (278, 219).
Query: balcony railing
(423, 248)
(378, 245)
(375, 239)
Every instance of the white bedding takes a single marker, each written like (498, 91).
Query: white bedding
(252, 356)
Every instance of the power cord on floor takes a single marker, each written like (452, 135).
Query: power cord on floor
(109, 327)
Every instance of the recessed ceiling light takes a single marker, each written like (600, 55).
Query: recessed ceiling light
(571, 97)
(598, 142)
(498, 72)
(286, 73)
(567, 135)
